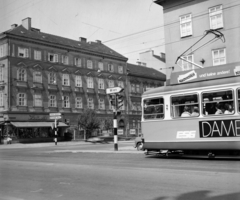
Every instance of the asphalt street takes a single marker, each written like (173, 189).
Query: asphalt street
(86, 171)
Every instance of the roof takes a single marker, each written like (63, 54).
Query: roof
(35, 34)
(146, 72)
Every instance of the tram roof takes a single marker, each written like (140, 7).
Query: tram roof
(232, 75)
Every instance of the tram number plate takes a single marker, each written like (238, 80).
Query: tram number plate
(186, 134)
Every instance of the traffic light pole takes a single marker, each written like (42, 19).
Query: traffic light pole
(55, 139)
(115, 130)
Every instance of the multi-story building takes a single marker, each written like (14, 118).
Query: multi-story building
(42, 73)
(149, 59)
(185, 23)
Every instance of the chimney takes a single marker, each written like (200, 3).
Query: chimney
(98, 41)
(27, 23)
(82, 39)
(163, 56)
(14, 26)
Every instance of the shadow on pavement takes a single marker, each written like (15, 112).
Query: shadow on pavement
(203, 195)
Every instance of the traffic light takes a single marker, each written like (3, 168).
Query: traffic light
(113, 100)
(119, 101)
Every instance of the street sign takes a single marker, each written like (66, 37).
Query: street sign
(55, 114)
(114, 90)
(55, 117)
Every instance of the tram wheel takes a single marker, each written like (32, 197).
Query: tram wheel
(211, 155)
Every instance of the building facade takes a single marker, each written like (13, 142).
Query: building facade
(186, 22)
(42, 73)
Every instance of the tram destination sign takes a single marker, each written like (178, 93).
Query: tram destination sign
(114, 90)
(219, 128)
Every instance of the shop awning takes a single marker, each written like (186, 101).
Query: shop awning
(36, 124)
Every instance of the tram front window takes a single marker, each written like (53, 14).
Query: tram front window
(153, 108)
(185, 106)
(218, 102)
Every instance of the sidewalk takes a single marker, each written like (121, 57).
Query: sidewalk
(125, 149)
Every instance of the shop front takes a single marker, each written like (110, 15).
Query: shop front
(36, 129)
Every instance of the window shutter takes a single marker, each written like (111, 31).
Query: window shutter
(55, 57)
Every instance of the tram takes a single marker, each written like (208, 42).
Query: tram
(197, 113)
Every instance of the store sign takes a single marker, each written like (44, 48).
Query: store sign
(120, 131)
(207, 73)
(219, 128)
(132, 131)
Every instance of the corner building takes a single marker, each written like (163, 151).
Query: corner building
(185, 22)
(42, 73)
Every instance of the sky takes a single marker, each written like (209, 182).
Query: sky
(127, 26)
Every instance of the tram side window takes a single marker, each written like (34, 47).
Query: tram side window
(153, 108)
(218, 102)
(185, 106)
(238, 100)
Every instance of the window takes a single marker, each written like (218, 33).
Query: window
(89, 82)
(22, 75)
(78, 62)
(137, 88)
(133, 124)
(100, 66)
(110, 83)
(186, 25)
(65, 60)
(120, 84)
(52, 101)
(101, 104)
(66, 102)
(90, 103)
(238, 100)
(52, 78)
(133, 88)
(219, 57)
(37, 55)
(38, 100)
(100, 83)
(89, 64)
(65, 80)
(1, 98)
(3, 50)
(110, 68)
(22, 101)
(37, 77)
(216, 17)
(218, 102)
(186, 65)
(1, 73)
(134, 106)
(153, 108)
(23, 52)
(78, 102)
(52, 57)
(78, 81)
(120, 69)
(184, 105)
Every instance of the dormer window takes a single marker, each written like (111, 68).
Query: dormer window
(89, 64)
(65, 60)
